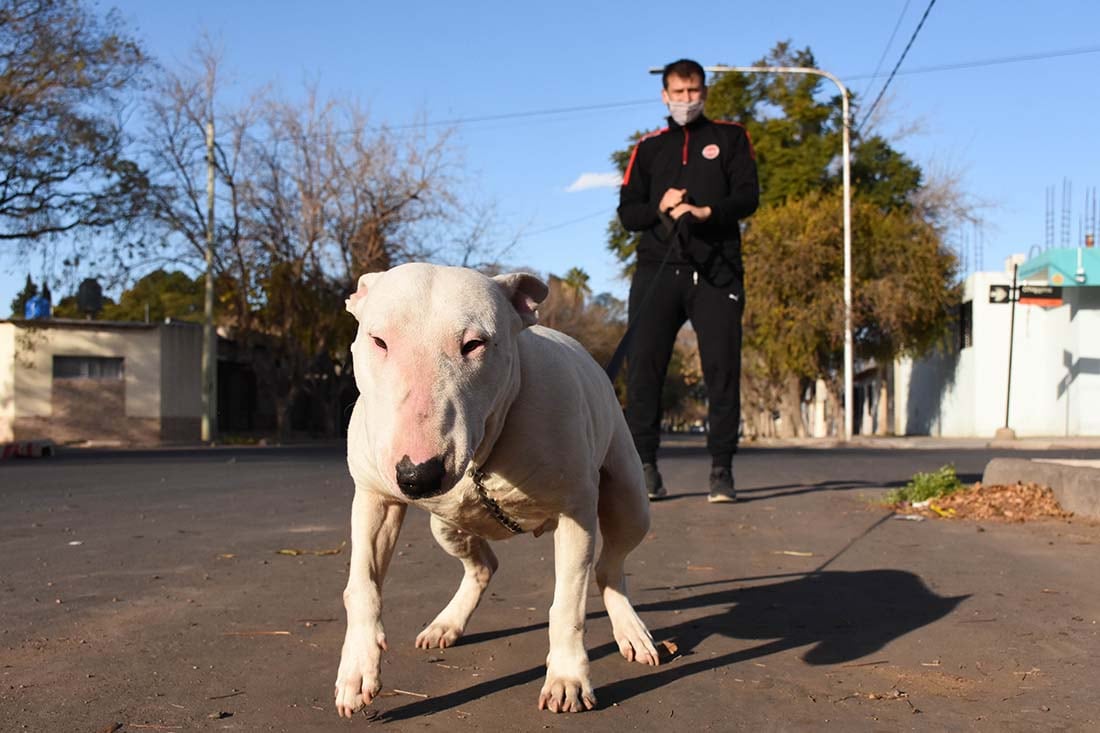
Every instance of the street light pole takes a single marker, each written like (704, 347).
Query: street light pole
(848, 399)
(209, 423)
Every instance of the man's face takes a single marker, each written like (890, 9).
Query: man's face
(681, 89)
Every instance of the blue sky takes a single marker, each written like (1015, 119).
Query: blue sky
(1008, 131)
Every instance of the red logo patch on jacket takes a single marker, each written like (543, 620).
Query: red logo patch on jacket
(711, 151)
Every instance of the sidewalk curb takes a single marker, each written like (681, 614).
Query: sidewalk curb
(1076, 484)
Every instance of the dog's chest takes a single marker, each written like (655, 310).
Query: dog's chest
(491, 507)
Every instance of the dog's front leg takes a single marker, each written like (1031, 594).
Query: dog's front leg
(375, 524)
(568, 687)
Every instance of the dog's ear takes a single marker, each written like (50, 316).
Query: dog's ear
(525, 291)
(365, 282)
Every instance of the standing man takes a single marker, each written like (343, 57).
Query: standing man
(687, 187)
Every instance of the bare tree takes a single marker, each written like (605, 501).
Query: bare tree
(311, 195)
(65, 76)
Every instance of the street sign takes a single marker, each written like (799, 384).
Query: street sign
(1045, 295)
(1000, 293)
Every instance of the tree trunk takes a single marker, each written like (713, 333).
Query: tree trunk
(790, 409)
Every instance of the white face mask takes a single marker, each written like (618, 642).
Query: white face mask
(684, 113)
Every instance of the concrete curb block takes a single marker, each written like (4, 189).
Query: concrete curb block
(28, 449)
(1077, 487)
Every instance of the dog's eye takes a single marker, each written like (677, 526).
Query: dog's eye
(379, 343)
(471, 346)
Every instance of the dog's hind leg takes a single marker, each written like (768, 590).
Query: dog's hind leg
(478, 563)
(624, 521)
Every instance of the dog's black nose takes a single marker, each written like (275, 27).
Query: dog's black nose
(420, 480)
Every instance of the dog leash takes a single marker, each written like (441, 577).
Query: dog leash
(677, 234)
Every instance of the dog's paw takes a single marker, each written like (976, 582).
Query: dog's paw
(359, 679)
(635, 642)
(566, 694)
(438, 634)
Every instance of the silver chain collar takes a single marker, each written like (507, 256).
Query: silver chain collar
(490, 504)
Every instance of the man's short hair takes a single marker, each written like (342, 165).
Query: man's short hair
(685, 69)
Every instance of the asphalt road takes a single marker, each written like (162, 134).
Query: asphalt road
(146, 589)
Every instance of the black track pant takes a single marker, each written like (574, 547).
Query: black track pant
(715, 314)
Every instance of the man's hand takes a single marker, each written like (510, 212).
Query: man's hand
(673, 197)
(701, 213)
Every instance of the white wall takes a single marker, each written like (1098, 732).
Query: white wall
(1055, 370)
(7, 382)
(35, 349)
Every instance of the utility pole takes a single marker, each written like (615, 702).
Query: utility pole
(209, 343)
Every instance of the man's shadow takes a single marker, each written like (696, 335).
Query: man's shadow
(842, 616)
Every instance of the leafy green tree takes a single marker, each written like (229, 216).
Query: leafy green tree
(18, 304)
(67, 308)
(64, 82)
(166, 294)
(797, 134)
(903, 290)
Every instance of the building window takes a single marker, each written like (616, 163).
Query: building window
(966, 325)
(87, 367)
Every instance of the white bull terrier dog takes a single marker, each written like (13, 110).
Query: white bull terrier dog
(497, 427)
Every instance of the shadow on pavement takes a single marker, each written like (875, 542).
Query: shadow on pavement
(783, 491)
(841, 616)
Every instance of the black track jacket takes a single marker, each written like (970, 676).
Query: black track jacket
(715, 162)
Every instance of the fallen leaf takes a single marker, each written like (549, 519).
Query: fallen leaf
(948, 513)
(670, 646)
(294, 551)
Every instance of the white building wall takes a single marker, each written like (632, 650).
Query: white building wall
(7, 382)
(1055, 370)
(139, 348)
(1080, 373)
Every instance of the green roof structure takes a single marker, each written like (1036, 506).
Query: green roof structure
(1068, 267)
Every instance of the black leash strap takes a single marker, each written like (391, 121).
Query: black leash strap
(677, 234)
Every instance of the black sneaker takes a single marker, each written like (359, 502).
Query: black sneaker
(721, 486)
(654, 486)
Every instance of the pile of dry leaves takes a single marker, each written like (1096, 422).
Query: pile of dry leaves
(1015, 503)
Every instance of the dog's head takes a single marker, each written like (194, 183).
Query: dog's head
(437, 367)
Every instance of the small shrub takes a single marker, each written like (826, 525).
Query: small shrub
(924, 486)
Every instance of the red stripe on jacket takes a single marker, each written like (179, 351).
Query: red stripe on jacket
(752, 150)
(634, 154)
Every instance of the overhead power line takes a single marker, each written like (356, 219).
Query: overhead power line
(563, 224)
(978, 63)
(1038, 56)
(890, 42)
(898, 64)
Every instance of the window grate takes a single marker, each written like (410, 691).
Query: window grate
(88, 367)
